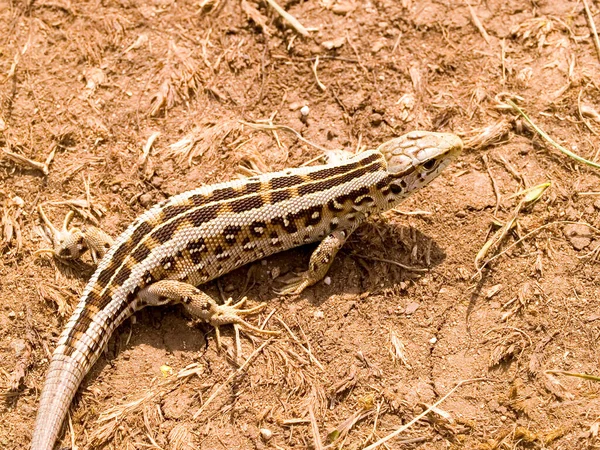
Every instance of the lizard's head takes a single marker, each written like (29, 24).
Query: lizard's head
(416, 158)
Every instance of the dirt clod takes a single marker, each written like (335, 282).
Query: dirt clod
(578, 235)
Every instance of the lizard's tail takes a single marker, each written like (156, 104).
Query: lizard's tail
(63, 379)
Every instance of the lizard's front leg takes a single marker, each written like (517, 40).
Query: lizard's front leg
(319, 264)
(201, 306)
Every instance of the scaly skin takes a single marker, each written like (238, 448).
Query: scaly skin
(199, 235)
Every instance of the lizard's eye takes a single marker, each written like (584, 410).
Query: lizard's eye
(429, 165)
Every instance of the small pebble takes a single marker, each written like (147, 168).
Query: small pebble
(335, 43)
(578, 235)
(304, 110)
(433, 340)
(146, 199)
(376, 119)
(12, 315)
(319, 314)
(327, 281)
(411, 308)
(157, 182)
(266, 434)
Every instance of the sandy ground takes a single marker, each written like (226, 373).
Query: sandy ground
(137, 100)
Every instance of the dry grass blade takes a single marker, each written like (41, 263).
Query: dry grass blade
(494, 242)
(531, 196)
(111, 419)
(538, 229)
(87, 210)
(147, 147)
(22, 160)
(12, 234)
(231, 377)
(534, 32)
(478, 24)
(314, 69)
(180, 80)
(395, 263)
(256, 17)
(489, 135)
(58, 296)
(318, 444)
(269, 127)
(423, 414)
(551, 141)
(289, 18)
(590, 19)
(343, 428)
(573, 374)
(553, 385)
(398, 349)
(181, 438)
(201, 139)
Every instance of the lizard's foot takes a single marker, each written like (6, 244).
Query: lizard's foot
(319, 263)
(295, 285)
(70, 243)
(202, 306)
(229, 313)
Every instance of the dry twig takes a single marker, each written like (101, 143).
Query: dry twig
(478, 24)
(423, 414)
(289, 18)
(592, 25)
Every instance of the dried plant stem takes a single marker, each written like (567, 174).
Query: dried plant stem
(531, 233)
(478, 24)
(590, 18)
(423, 414)
(389, 261)
(270, 127)
(233, 374)
(584, 376)
(22, 160)
(288, 18)
(550, 140)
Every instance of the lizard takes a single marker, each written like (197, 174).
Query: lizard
(197, 236)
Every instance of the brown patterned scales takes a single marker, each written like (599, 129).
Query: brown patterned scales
(197, 236)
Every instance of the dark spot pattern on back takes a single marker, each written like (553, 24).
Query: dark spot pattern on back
(140, 253)
(287, 223)
(396, 189)
(226, 193)
(280, 196)
(312, 216)
(122, 275)
(173, 211)
(168, 263)
(230, 233)
(258, 227)
(250, 188)
(285, 181)
(247, 203)
(196, 248)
